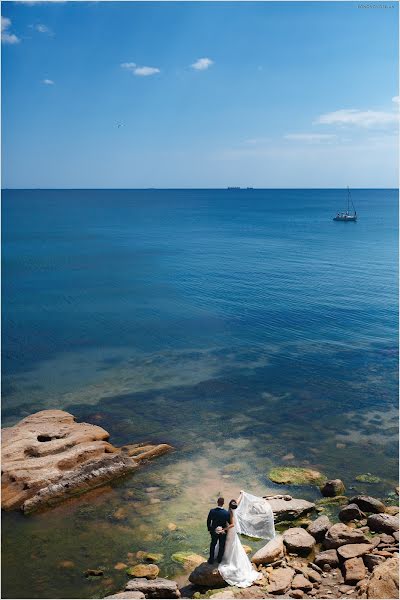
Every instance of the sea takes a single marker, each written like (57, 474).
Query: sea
(245, 328)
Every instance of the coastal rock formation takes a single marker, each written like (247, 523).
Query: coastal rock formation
(298, 541)
(269, 553)
(350, 512)
(383, 523)
(340, 534)
(288, 510)
(47, 457)
(368, 504)
(207, 575)
(154, 588)
(333, 487)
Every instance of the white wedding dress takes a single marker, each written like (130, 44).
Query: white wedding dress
(253, 517)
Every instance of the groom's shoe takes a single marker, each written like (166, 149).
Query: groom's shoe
(210, 562)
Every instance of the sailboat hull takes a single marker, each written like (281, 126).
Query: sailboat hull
(345, 218)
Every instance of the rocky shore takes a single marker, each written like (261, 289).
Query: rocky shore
(48, 457)
(357, 557)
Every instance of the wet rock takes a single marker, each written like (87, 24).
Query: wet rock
(328, 557)
(368, 504)
(372, 560)
(151, 557)
(150, 571)
(353, 550)
(288, 510)
(47, 457)
(120, 566)
(333, 487)
(354, 570)
(350, 512)
(207, 575)
(368, 478)
(383, 523)
(340, 534)
(155, 588)
(297, 540)
(296, 476)
(280, 580)
(127, 596)
(247, 549)
(172, 526)
(319, 527)
(384, 582)
(94, 573)
(269, 553)
(189, 560)
(301, 583)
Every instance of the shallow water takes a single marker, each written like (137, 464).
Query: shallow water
(238, 326)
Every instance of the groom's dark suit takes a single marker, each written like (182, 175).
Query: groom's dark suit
(217, 517)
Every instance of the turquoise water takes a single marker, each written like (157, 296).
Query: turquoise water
(239, 326)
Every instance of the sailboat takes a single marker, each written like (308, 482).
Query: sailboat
(348, 215)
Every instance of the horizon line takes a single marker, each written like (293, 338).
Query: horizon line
(228, 188)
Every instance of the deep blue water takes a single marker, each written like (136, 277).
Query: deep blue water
(207, 316)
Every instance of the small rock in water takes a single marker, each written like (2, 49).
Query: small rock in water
(148, 571)
(94, 573)
(150, 490)
(66, 564)
(120, 514)
(289, 456)
(120, 566)
(155, 500)
(333, 487)
(172, 526)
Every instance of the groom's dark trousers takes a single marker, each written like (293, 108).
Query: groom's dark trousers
(217, 517)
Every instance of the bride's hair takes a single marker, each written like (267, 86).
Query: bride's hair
(233, 504)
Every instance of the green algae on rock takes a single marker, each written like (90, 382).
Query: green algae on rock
(368, 478)
(189, 560)
(296, 476)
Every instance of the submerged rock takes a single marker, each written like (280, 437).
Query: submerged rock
(47, 457)
(150, 571)
(368, 478)
(296, 476)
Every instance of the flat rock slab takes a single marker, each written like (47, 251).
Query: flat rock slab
(280, 580)
(328, 557)
(340, 534)
(287, 510)
(154, 588)
(298, 541)
(47, 457)
(269, 553)
(353, 550)
(354, 570)
(301, 583)
(127, 596)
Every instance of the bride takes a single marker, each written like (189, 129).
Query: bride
(251, 516)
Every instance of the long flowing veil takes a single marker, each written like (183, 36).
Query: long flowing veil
(254, 517)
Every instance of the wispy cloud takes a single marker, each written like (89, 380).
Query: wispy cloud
(43, 29)
(139, 71)
(360, 118)
(396, 99)
(311, 138)
(202, 64)
(6, 36)
(48, 81)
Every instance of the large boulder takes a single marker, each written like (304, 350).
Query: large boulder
(354, 570)
(340, 534)
(319, 527)
(296, 476)
(288, 510)
(280, 580)
(350, 512)
(383, 523)
(384, 582)
(47, 457)
(368, 504)
(298, 541)
(154, 588)
(333, 487)
(353, 550)
(327, 557)
(269, 553)
(207, 575)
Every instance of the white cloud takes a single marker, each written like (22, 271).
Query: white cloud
(396, 99)
(202, 64)
(310, 137)
(360, 118)
(139, 71)
(43, 28)
(48, 81)
(6, 36)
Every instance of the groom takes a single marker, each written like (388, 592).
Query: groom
(217, 519)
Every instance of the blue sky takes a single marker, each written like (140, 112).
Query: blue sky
(181, 94)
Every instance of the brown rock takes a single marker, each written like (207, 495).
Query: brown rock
(47, 457)
(269, 553)
(297, 540)
(296, 594)
(287, 510)
(66, 564)
(354, 570)
(386, 538)
(392, 510)
(301, 583)
(396, 536)
(155, 588)
(372, 560)
(127, 596)
(333, 487)
(150, 571)
(350, 512)
(120, 566)
(368, 504)
(353, 550)
(340, 534)
(251, 592)
(328, 557)
(384, 582)
(319, 527)
(383, 523)
(206, 575)
(280, 580)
